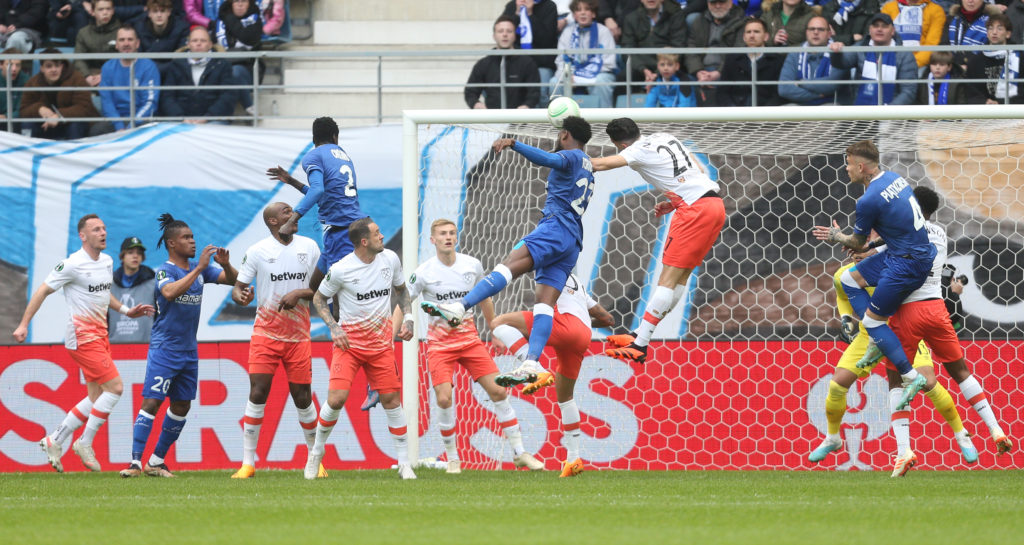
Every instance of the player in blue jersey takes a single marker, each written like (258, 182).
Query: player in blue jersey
(888, 207)
(550, 249)
(172, 364)
(332, 187)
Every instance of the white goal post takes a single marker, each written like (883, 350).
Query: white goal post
(798, 127)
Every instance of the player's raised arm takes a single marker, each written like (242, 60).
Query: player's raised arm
(607, 163)
(313, 194)
(229, 275)
(835, 234)
(171, 290)
(41, 293)
(280, 174)
(536, 156)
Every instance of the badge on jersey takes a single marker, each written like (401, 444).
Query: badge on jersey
(468, 277)
(302, 257)
(161, 275)
(245, 258)
(412, 278)
(386, 273)
(59, 267)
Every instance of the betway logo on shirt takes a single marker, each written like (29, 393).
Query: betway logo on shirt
(99, 287)
(894, 189)
(373, 294)
(186, 299)
(287, 276)
(451, 296)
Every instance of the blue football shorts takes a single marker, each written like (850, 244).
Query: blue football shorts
(171, 373)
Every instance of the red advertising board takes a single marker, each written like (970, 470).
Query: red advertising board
(723, 405)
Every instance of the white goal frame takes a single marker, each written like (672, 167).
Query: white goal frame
(413, 119)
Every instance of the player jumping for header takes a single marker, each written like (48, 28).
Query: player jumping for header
(550, 250)
(889, 207)
(699, 214)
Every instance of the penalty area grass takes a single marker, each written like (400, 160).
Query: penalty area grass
(515, 507)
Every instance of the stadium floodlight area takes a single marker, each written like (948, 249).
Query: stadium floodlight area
(737, 376)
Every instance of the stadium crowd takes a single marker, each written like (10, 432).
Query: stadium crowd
(717, 79)
(663, 80)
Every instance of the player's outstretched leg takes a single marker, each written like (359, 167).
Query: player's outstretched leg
(325, 425)
(903, 462)
(946, 407)
(140, 436)
(97, 417)
(397, 425)
(975, 395)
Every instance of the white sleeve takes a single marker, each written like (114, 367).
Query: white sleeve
(478, 269)
(60, 275)
(314, 255)
(331, 283)
(415, 286)
(608, 42)
(396, 271)
(247, 270)
(591, 302)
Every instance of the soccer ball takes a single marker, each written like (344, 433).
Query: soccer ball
(561, 108)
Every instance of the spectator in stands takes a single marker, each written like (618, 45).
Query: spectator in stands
(134, 283)
(98, 37)
(966, 26)
(22, 24)
(818, 81)
(537, 28)
(741, 67)
(196, 103)
(657, 23)
(670, 96)
(999, 67)
(893, 65)
(10, 70)
(586, 70)
(117, 73)
(751, 8)
(918, 22)
(239, 28)
(612, 14)
(849, 18)
(720, 26)
(55, 105)
(161, 31)
(195, 14)
(130, 11)
(518, 69)
(59, 21)
(273, 16)
(1015, 11)
(943, 85)
(787, 21)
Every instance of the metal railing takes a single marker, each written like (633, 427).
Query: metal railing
(381, 59)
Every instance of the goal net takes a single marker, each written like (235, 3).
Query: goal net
(738, 372)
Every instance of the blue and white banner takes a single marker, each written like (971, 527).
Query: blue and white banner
(212, 177)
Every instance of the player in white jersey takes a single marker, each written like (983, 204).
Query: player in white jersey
(699, 215)
(86, 277)
(281, 265)
(363, 281)
(575, 313)
(449, 276)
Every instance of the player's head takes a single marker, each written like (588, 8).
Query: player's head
(575, 133)
(177, 237)
(275, 215)
(366, 236)
(622, 132)
(444, 235)
(928, 199)
(325, 131)
(862, 161)
(92, 232)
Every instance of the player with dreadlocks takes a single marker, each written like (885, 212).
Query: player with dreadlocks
(172, 365)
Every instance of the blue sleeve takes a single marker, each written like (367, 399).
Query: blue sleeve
(652, 98)
(866, 213)
(211, 273)
(793, 91)
(316, 189)
(148, 97)
(107, 96)
(541, 157)
(826, 86)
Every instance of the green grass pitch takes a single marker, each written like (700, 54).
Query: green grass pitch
(355, 507)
